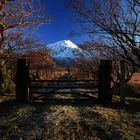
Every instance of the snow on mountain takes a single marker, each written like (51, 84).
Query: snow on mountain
(64, 49)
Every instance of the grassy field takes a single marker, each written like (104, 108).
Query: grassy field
(69, 120)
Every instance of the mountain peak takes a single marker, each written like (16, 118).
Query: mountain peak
(64, 49)
(66, 43)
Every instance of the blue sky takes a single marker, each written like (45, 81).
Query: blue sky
(61, 24)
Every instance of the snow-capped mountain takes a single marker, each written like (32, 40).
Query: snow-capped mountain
(64, 49)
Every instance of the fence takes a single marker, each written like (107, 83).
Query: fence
(25, 88)
(62, 87)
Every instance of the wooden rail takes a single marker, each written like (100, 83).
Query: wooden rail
(54, 86)
(63, 81)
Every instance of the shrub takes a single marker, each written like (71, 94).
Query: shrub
(132, 89)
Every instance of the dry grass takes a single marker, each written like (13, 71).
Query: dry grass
(69, 121)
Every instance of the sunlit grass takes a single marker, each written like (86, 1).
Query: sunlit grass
(69, 121)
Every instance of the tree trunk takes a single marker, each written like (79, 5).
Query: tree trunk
(6, 83)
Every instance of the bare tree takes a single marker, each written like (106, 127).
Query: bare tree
(21, 45)
(87, 61)
(89, 58)
(115, 21)
(19, 41)
(41, 63)
(15, 13)
(19, 13)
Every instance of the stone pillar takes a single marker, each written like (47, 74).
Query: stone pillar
(105, 82)
(22, 80)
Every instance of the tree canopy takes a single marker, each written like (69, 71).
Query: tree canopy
(115, 21)
(20, 13)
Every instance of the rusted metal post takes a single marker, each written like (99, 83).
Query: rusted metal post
(122, 81)
(105, 82)
(22, 80)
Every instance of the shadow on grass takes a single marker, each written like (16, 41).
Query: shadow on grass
(7, 107)
(132, 105)
(89, 120)
(67, 102)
